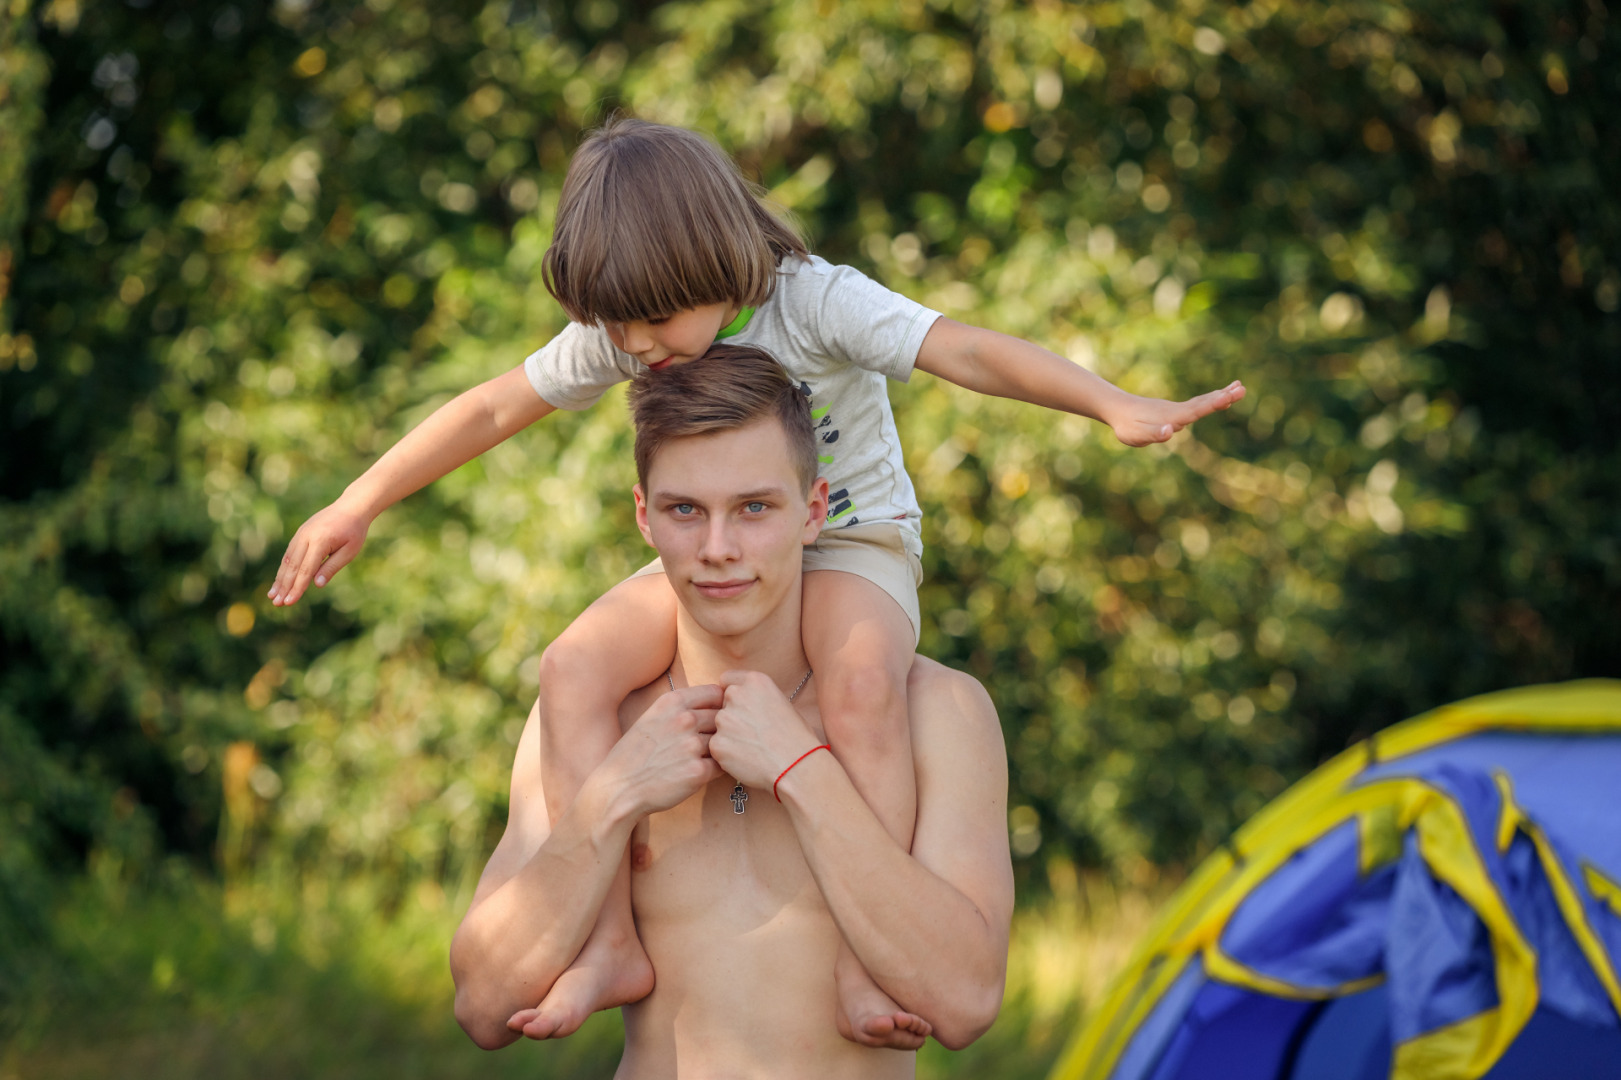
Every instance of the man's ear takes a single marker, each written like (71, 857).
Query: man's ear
(641, 514)
(816, 515)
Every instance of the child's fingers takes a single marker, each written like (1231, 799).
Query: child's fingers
(336, 561)
(522, 1018)
(287, 573)
(1229, 394)
(314, 556)
(1215, 401)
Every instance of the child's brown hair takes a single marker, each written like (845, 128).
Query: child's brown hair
(728, 387)
(654, 220)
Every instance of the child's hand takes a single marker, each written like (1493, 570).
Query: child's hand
(322, 546)
(1140, 421)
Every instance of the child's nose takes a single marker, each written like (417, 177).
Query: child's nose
(638, 339)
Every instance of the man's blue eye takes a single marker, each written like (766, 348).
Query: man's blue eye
(756, 507)
(683, 508)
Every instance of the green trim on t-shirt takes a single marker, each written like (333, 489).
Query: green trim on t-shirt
(736, 326)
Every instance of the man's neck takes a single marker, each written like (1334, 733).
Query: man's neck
(774, 648)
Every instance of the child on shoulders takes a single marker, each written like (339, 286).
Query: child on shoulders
(661, 248)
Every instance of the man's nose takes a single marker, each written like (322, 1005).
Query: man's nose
(720, 541)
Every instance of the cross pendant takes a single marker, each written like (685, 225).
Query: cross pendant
(740, 796)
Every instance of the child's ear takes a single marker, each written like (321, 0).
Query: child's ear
(641, 514)
(816, 515)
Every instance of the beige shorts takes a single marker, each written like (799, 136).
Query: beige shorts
(876, 552)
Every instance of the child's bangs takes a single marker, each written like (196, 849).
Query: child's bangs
(656, 220)
(650, 273)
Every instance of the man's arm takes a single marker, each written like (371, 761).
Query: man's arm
(543, 887)
(1003, 366)
(456, 433)
(931, 927)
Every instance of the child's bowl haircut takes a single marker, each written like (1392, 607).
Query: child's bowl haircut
(654, 220)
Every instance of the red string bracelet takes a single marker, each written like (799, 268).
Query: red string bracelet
(797, 760)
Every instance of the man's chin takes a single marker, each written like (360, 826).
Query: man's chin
(729, 616)
(725, 620)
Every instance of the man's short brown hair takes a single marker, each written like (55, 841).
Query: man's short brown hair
(654, 220)
(728, 387)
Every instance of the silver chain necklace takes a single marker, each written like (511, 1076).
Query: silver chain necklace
(740, 794)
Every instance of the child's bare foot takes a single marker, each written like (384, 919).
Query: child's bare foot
(601, 977)
(868, 1016)
(899, 1030)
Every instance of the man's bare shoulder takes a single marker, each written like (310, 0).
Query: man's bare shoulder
(950, 704)
(962, 782)
(932, 681)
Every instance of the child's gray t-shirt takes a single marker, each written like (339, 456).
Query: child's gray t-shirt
(838, 333)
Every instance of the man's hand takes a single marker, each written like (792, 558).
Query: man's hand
(758, 733)
(1139, 421)
(322, 546)
(665, 756)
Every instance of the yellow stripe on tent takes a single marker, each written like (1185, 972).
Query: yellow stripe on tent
(1223, 968)
(1466, 1050)
(1564, 890)
(1449, 1053)
(1602, 888)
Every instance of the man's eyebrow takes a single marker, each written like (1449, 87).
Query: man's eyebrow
(760, 494)
(776, 491)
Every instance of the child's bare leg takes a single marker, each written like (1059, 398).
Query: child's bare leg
(611, 970)
(623, 641)
(620, 643)
(860, 644)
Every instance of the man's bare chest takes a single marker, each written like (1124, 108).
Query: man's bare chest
(701, 862)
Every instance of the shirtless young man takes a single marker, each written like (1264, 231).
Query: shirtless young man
(742, 914)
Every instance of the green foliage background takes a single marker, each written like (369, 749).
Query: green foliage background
(244, 247)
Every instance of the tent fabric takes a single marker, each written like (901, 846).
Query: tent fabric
(1441, 901)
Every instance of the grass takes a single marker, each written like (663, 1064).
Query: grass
(192, 982)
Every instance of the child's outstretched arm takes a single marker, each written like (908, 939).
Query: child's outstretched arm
(455, 434)
(1003, 366)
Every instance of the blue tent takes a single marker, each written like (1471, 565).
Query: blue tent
(1441, 901)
